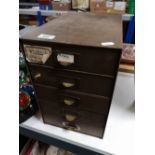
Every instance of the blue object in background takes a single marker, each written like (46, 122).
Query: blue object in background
(45, 7)
(41, 7)
(130, 31)
(27, 88)
(49, 7)
(40, 18)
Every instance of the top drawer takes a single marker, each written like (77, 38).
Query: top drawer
(81, 58)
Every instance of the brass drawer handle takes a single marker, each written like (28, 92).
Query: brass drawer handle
(37, 54)
(38, 75)
(65, 59)
(70, 117)
(65, 64)
(68, 126)
(68, 84)
(69, 102)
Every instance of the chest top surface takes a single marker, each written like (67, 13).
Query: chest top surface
(86, 29)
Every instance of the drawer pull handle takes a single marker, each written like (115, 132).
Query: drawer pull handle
(70, 117)
(65, 59)
(37, 54)
(67, 84)
(38, 75)
(65, 64)
(69, 102)
(68, 126)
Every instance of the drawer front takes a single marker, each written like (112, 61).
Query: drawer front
(103, 61)
(93, 60)
(72, 100)
(67, 80)
(80, 121)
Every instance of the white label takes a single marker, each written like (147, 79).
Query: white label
(46, 36)
(120, 6)
(107, 43)
(65, 58)
(109, 4)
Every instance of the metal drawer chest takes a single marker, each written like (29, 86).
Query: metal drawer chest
(73, 61)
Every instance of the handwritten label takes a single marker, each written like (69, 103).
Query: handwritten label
(65, 58)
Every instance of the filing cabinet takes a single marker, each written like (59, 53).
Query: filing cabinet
(73, 61)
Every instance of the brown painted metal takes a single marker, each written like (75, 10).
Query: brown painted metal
(83, 89)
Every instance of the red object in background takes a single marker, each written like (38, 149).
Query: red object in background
(23, 99)
(28, 151)
(44, 2)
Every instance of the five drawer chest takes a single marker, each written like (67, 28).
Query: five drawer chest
(73, 62)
